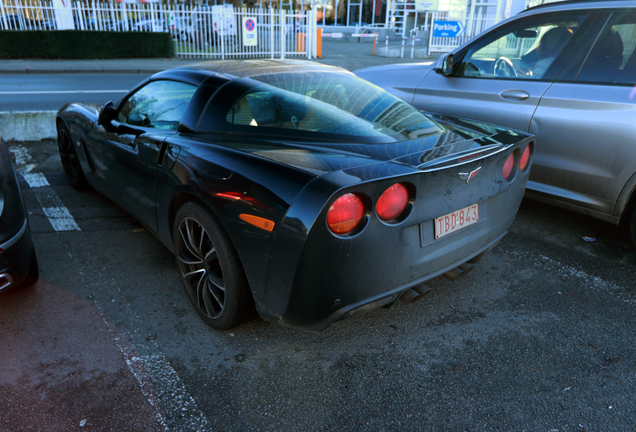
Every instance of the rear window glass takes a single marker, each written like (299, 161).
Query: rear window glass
(326, 103)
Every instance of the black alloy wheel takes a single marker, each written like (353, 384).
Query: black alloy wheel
(70, 163)
(210, 268)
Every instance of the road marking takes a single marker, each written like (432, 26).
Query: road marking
(38, 92)
(161, 386)
(60, 218)
(585, 280)
(35, 180)
(53, 207)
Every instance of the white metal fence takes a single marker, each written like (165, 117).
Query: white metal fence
(198, 32)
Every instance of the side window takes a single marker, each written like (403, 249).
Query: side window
(523, 50)
(159, 104)
(612, 58)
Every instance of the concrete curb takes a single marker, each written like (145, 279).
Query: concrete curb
(28, 125)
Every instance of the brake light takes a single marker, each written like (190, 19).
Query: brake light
(508, 166)
(525, 158)
(392, 202)
(345, 214)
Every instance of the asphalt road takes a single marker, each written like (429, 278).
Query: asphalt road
(538, 337)
(49, 92)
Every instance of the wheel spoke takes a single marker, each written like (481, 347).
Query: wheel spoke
(185, 229)
(191, 275)
(186, 257)
(69, 168)
(213, 303)
(219, 296)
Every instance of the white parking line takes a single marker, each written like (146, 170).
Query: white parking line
(162, 387)
(35, 180)
(53, 207)
(584, 279)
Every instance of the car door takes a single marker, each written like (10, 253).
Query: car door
(501, 76)
(586, 121)
(124, 154)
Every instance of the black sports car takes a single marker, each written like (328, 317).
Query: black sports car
(295, 187)
(18, 263)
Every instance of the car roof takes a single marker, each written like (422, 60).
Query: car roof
(234, 69)
(580, 4)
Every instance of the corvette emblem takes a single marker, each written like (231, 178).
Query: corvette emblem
(468, 176)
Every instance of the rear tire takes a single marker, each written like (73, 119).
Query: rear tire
(70, 162)
(210, 268)
(33, 274)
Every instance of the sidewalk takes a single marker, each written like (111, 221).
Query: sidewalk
(347, 53)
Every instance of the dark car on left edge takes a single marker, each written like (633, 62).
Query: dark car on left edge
(297, 189)
(18, 263)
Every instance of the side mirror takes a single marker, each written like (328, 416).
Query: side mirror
(444, 65)
(107, 114)
(138, 120)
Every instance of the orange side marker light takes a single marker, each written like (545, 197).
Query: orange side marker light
(258, 221)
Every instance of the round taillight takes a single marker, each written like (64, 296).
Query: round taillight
(525, 158)
(392, 202)
(508, 166)
(345, 214)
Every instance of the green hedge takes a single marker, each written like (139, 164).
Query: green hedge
(77, 44)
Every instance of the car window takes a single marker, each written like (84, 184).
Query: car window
(523, 50)
(159, 104)
(333, 103)
(612, 58)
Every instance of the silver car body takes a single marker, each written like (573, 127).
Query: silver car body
(585, 158)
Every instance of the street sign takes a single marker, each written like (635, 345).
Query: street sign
(426, 5)
(249, 32)
(448, 28)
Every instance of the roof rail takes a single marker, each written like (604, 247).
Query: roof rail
(544, 5)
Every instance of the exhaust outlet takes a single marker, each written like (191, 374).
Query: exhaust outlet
(423, 290)
(459, 271)
(412, 295)
(5, 280)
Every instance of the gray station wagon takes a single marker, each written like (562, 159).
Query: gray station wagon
(565, 72)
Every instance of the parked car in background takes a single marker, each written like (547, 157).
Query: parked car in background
(148, 25)
(182, 29)
(18, 263)
(565, 72)
(15, 22)
(297, 187)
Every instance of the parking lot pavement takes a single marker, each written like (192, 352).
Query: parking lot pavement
(538, 337)
(64, 367)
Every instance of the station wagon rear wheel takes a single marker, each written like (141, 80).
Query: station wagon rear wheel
(210, 268)
(68, 155)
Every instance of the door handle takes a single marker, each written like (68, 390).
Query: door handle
(518, 95)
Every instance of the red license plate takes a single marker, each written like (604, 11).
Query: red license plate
(456, 220)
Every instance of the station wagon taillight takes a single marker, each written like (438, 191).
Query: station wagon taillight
(508, 166)
(392, 202)
(345, 214)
